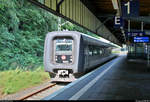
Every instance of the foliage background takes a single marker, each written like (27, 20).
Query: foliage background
(23, 27)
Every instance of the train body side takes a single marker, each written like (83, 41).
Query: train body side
(88, 62)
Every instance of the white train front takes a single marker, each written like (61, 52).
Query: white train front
(68, 54)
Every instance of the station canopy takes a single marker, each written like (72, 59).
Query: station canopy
(105, 12)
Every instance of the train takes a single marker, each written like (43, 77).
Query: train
(69, 54)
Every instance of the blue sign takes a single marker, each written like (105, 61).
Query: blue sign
(130, 8)
(135, 33)
(141, 39)
(118, 22)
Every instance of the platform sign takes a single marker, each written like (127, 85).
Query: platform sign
(141, 39)
(118, 22)
(130, 8)
(135, 33)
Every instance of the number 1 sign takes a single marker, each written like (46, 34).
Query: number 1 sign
(130, 8)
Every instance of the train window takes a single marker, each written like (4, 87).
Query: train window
(90, 50)
(64, 47)
(64, 44)
(95, 52)
(100, 52)
(90, 53)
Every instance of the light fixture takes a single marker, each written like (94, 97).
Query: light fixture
(115, 4)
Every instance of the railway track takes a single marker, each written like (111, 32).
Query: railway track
(30, 95)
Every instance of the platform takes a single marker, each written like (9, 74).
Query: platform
(119, 79)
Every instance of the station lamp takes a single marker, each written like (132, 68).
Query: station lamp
(115, 4)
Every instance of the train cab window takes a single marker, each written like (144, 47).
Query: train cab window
(63, 50)
(64, 47)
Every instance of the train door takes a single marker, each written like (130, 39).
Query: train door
(86, 55)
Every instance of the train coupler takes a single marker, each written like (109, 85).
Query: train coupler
(63, 76)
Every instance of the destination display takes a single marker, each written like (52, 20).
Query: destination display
(136, 33)
(141, 39)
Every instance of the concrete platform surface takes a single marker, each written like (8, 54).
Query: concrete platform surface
(119, 79)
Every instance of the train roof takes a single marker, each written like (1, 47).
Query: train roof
(97, 41)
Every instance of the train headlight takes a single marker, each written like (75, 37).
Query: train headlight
(70, 56)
